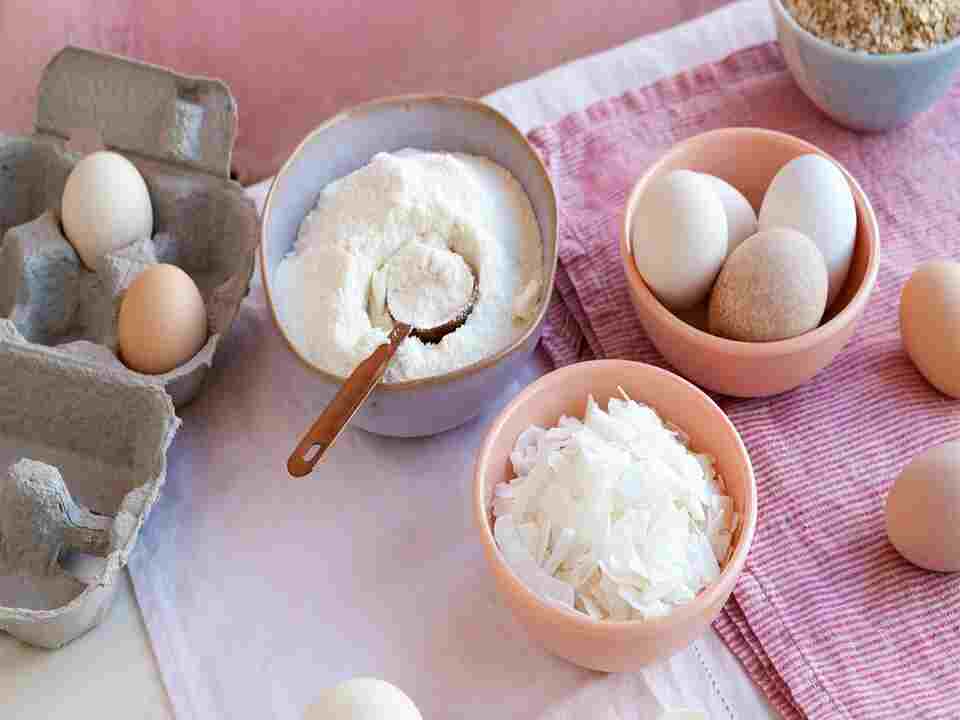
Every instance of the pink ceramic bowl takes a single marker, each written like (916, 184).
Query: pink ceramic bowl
(748, 158)
(606, 645)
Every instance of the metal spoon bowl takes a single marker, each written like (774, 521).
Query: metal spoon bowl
(357, 388)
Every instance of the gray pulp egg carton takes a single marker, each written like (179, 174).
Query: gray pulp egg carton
(83, 439)
(179, 132)
(82, 460)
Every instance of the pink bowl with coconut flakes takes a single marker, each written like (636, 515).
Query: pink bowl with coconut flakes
(607, 645)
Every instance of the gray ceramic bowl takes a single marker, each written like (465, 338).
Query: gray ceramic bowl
(345, 143)
(863, 91)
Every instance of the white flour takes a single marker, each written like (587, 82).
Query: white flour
(426, 286)
(332, 287)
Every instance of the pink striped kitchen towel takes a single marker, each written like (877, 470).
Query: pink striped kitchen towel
(827, 618)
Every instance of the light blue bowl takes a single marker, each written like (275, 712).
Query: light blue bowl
(863, 91)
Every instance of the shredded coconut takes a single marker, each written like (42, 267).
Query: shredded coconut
(334, 287)
(613, 515)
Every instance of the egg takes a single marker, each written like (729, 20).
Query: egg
(930, 323)
(772, 287)
(163, 321)
(741, 217)
(105, 206)
(678, 236)
(923, 509)
(362, 699)
(811, 195)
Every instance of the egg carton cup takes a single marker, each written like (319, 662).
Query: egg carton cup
(179, 132)
(82, 460)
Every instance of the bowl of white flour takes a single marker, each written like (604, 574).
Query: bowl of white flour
(403, 201)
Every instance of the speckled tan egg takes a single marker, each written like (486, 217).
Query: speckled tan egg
(923, 509)
(930, 323)
(772, 287)
(163, 320)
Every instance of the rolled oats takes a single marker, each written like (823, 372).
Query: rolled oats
(879, 26)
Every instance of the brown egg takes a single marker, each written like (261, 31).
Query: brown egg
(163, 321)
(930, 323)
(923, 509)
(772, 287)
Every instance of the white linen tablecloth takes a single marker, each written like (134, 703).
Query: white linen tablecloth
(259, 590)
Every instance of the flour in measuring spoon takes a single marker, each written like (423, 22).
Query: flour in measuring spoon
(426, 287)
(438, 208)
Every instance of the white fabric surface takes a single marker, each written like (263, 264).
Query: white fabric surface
(259, 590)
(109, 673)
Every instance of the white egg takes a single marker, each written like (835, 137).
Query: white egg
(362, 699)
(810, 194)
(105, 206)
(678, 235)
(741, 217)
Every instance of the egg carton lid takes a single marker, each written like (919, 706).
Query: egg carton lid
(138, 108)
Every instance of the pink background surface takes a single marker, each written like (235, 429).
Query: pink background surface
(292, 63)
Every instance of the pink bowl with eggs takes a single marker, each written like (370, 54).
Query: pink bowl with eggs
(748, 159)
(608, 645)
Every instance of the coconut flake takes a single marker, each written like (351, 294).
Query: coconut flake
(526, 491)
(545, 529)
(719, 526)
(561, 550)
(522, 563)
(702, 565)
(643, 606)
(590, 607)
(583, 569)
(558, 505)
(526, 451)
(617, 508)
(530, 532)
(618, 433)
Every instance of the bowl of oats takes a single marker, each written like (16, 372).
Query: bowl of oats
(870, 65)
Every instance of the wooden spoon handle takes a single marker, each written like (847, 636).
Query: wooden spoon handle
(325, 431)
